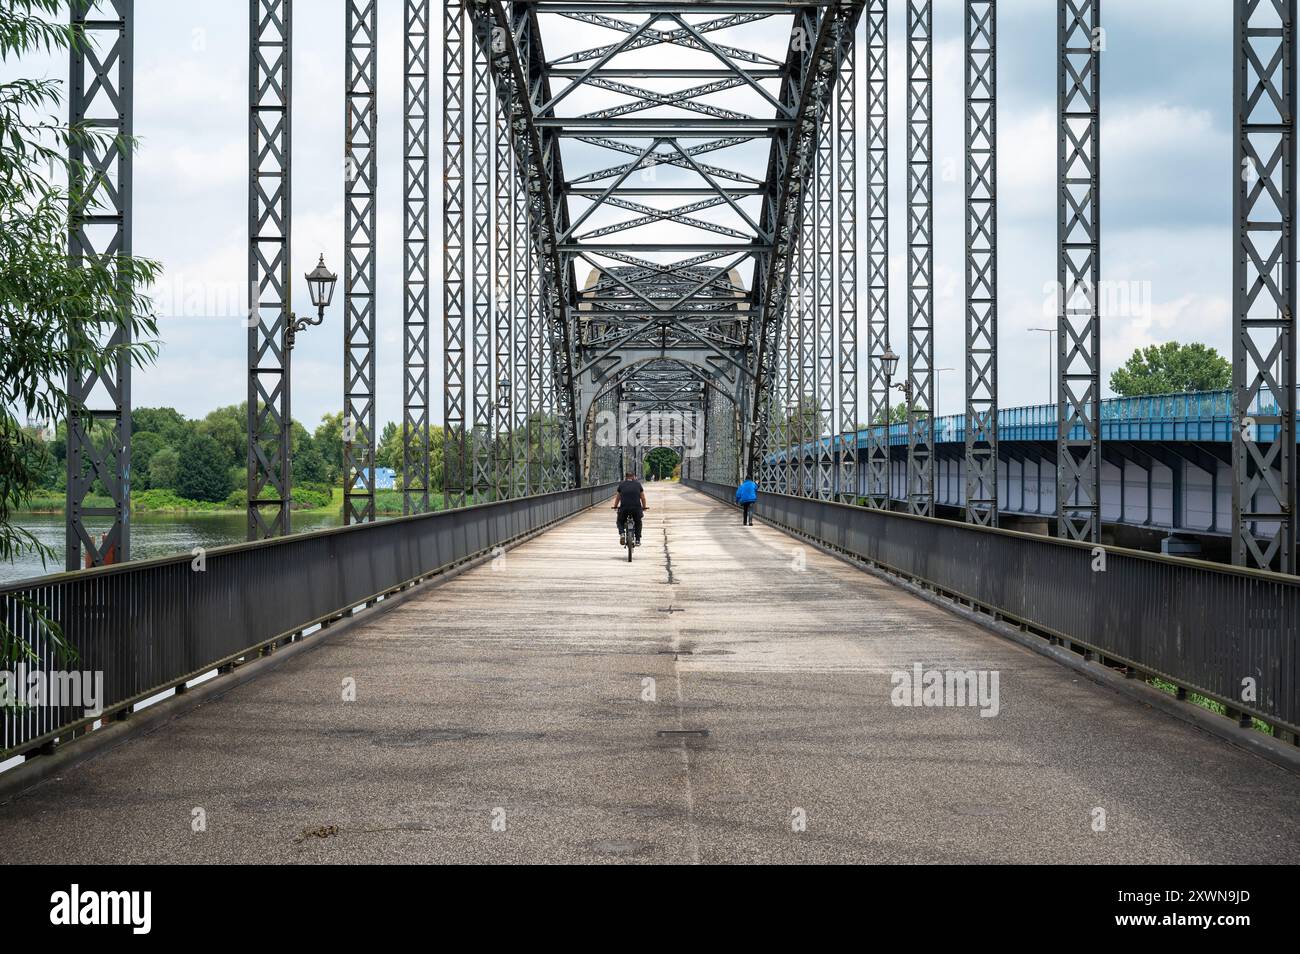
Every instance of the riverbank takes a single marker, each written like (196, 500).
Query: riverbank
(388, 503)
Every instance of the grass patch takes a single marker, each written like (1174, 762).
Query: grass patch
(388, 503)
(1195, 698)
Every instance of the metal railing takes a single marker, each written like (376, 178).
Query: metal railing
(153, 625)
(1199, 415)
(1205, 627)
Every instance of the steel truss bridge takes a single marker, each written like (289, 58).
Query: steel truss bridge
(657, 230)
(669, 216)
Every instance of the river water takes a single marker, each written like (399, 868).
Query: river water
(152, 535)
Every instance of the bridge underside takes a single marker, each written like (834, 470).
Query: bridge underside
(530, 710)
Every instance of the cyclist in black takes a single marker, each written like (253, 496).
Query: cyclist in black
(629, 498)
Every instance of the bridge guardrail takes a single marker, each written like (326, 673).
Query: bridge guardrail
(1191, 412)
(1205, 627)
(152, 625)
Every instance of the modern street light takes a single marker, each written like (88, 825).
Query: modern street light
(1051, 347)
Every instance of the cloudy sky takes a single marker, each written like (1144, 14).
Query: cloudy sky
(1166, 202)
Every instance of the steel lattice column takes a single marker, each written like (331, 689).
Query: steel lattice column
(847, 239)
(480, 264)
(1078, 447)
(269, 220)
(453, 253)
(519, 396)
(877, 112)
(359, 265)
(920, 258)
(809, 81)
(805, 456)
(981, 264)
(1264, 291)
(546, 394)
(100, 228)
(536, 383)
(824, 383)
(415, 262)
(503, 334)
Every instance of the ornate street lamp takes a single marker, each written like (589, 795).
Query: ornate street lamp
(889, 364)
(320, 286)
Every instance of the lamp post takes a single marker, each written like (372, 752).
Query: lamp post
(320, 286)
(889, 364)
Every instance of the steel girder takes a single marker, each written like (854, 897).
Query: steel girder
(510, 412)
(877, 173)
(807, 89)
(415, 260)
(1264, 291)
(920, 259)
(361, 174)
(846, 333)
(101, 96)
(503, 444)
(453, 252)
(269, 220)
(482, 132)
(825, 385)
(536, 348)
(1078, 441)
(520, 393)
(981, 264)
(807, 425)
(721, 438)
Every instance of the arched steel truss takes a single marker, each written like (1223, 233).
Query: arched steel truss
(665, 150)
(653, 207)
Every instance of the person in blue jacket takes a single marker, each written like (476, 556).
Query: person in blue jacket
(746, 494)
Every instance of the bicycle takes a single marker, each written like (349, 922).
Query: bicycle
(629, 533)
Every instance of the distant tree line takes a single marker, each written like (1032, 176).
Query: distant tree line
(175, 460)
(202, 460)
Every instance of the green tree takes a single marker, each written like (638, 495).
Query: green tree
(56, 312)
(204, 473)
(309, 466)
(388, 453)
(228, 426)
(167, 422)
(328, 438)
(1172, 368)
(660, 462)
(164, 469)
(144, 446)
(897, 415)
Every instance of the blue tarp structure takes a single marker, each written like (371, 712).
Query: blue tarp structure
(385, 479)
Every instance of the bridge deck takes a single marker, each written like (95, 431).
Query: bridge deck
(519, 687)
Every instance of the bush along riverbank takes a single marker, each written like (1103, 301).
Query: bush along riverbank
(388, 503)
(168, 501)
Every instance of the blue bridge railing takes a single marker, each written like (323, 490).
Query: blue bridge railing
(1193, 416)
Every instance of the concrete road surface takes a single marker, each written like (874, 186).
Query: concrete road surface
(554, 705)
